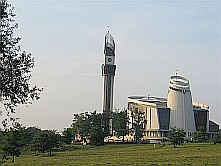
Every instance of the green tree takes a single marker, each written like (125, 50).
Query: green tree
(13, 140)
(90, 125)
(200, 135)
(45, 141)
(216, 137)
(96, 131)
(107, 116)
(120, 123)
(68, 135)
(2, 142)
(15, 66)
(176, 136)
(81, 124)
(31, 132)
(138, 124)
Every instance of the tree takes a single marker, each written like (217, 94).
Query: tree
(96, 131)
(90, 125)
(107, 118)
(200, 135)
(81, 124)
(216, 137)
(95, 126)
(176, 136)
(32, 131)
(2, 142)
(13, 140)
(120, 123)
(138, 124)
(68, 135)
(15, 66)
(45, 141)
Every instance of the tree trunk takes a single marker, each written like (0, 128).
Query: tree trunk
(123, 136)
(13, 157)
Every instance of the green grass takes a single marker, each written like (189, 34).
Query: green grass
(146, 154)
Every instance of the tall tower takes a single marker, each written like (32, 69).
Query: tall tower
(180, 103)
(108, 73)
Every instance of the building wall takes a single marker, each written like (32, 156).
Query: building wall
(213, 127)
(201, 115)
(201, 119)
(180, 103)
(156, 116)
(164, 118)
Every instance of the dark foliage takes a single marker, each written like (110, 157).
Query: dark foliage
(200, 135)
(96, 131)
(138, 124)
(90, 126)
(12, 140)
(120, 123)
(68, 135)
(216, 137)
(45, 141)
(176, 136)
(81, 124)
(15, 66)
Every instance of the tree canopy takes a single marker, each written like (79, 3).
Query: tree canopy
(92, 126)
(138, 124)
(176, 136)
(200, 135)
(15, 66)
(216, 137)
(12, 140)
(120, 123)
(46, 140)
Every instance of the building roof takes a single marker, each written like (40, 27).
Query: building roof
(201, 106)
(150, 100)
(162, 101)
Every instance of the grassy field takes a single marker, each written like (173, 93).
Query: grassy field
(145, 154)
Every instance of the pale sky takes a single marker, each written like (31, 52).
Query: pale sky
(153, 39)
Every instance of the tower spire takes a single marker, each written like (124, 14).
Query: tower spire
(176, 72)
(108, 28)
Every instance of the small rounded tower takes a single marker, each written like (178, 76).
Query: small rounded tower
(180, 103)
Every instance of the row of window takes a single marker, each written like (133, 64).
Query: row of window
(179, 90)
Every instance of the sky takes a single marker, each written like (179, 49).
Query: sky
(153, 39)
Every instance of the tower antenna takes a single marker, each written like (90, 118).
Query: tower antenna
(108, 28)
(176, 72)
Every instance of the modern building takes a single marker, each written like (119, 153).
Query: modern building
(213, 127)
(177, 110)
(108, 73)
(180, 103)
(156, 115)
(201, 115)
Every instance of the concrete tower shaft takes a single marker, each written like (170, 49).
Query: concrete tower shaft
(108, 73)
(180, 102)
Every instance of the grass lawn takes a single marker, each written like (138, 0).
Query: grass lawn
(145, 154)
